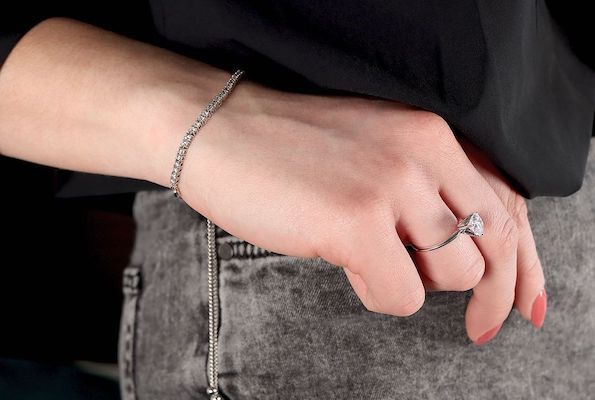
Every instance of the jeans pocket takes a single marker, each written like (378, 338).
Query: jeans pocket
(131, 286)
(277, 315)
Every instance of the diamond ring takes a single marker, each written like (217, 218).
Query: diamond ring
(471, 225)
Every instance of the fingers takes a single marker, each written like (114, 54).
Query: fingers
(458, 266)
(531, 297)
(380, 270)
(494, 295)
(530, 294)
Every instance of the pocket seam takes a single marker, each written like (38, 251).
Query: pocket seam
(131, 287)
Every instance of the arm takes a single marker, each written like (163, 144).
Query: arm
(77, 97)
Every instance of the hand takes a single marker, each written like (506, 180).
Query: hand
(347, 179)
(350, 179)
(530, 301)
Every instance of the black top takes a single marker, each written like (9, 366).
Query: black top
(512, 76)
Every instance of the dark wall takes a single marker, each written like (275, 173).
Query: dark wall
(62, 261)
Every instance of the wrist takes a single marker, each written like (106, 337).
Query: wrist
(167, 108)
(176, 109)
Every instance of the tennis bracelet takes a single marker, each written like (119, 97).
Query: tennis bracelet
(194, 128)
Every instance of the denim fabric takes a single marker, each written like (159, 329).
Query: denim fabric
(292, 328)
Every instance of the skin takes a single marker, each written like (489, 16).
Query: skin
(348, 179)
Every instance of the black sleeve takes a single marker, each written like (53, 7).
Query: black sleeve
(20, 17)
(576, 22)
(116, 16)
(7, 41)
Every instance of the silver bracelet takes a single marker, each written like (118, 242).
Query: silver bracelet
(200, 121)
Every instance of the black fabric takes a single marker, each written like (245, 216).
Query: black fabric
(516, 78)
(7, 41)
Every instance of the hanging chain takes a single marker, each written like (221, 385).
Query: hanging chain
(212, 389)
(213, 287)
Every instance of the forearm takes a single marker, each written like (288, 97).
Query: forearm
(77, 97)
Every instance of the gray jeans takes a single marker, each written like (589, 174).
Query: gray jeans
(292, 328)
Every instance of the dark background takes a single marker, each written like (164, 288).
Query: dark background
(60, 292)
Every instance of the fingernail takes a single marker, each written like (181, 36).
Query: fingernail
(489, 335)
(538, 310)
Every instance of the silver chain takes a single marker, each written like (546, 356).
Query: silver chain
(213, 288)
(215, 103)
(213, 282)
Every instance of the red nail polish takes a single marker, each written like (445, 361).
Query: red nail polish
(489, 335)
(538, 310)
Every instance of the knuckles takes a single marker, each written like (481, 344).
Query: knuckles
(517, 207)
(509, 235)
(409, 152)
(411, 305)
(407, 305)
(400, 166)
(472, 275)
(436, 130)
(429, 121)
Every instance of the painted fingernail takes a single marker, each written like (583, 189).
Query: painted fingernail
(489, 335)
(538, 310)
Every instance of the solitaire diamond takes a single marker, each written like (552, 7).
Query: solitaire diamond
(473, 225)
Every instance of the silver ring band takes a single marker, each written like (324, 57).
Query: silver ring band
(472, 225)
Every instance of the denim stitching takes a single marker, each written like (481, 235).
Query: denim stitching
(245, 250)
(131, 283)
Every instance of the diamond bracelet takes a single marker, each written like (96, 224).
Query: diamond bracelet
(196, 125)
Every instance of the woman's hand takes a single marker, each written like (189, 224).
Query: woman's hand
(347, 179)
(350, 180)
(531, 297)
